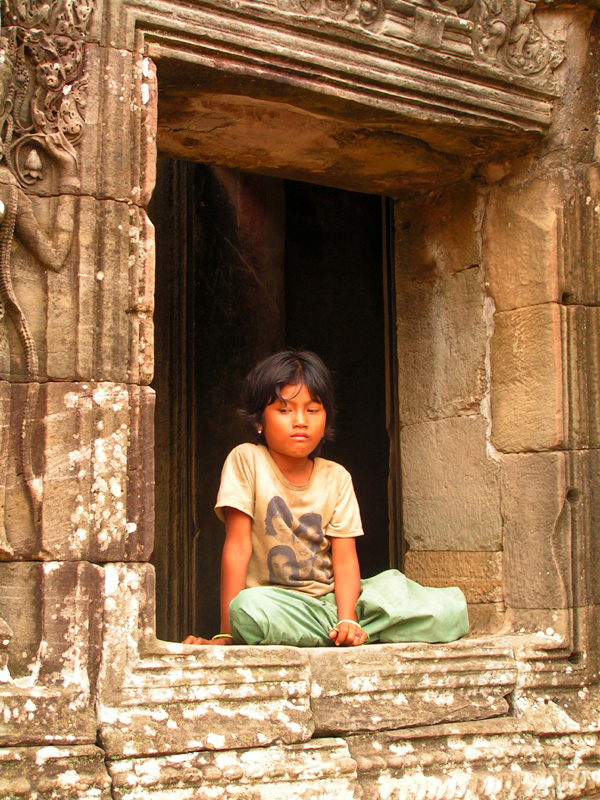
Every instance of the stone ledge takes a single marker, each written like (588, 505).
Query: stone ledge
(396, 686)
(157, 698)
(322, 769)
(56, 773)
(495, 759)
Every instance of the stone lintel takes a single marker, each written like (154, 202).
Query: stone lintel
(288, 43)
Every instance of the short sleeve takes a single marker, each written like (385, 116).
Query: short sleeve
(238, 482)
(345, 520)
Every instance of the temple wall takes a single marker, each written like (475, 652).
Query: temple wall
(484, 129)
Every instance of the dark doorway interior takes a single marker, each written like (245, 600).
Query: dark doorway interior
(245, 265)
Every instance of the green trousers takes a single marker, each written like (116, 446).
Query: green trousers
(391, 608)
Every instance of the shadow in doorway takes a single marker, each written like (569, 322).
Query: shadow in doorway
(246, 265)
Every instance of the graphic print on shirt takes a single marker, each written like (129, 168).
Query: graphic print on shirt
(299, 551)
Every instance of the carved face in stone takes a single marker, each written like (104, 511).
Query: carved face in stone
(50, 75)
(83, 11)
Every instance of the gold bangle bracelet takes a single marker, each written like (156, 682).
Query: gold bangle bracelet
(222, 636)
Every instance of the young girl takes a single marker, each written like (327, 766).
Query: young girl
(289, 572)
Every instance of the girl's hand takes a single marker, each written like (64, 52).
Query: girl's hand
(199, 640)
(348, 634)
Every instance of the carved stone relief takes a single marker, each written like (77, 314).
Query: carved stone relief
(43, 92)
(501, 33)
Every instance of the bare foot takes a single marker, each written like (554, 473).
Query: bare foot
(199, 640)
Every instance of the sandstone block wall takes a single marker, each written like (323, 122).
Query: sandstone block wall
(496, 313)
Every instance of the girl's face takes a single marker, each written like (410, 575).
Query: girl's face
(295, 427)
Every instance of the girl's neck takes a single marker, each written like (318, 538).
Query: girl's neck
(294, 470)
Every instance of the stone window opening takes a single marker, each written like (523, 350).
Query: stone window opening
(248, 264)
(480, 127)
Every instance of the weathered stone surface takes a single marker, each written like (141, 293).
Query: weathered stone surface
(113, 333)
(90, 492)
(527, 398)
(54, 773)
(537, 531)
(455, 761)
(320, 769)
(486, 618)
(581, 239)
(118, 151)
(544, 365)
(397, 82)
(47, 691)
(581, 379)
(93, 319)
(157, 697)
(559, 651)
(218, 128)
(583, 498)
(439, 234)
(21, 602)
(451, 490)
(387, 686)
(479, 575)
(521, 229)
(442, 340)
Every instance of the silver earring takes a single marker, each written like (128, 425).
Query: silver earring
(259, 431)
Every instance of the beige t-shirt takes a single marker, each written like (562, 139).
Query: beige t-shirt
(291, 525)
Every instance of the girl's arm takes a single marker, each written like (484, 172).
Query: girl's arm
(234, 562)
(346, 574)
(234, 568)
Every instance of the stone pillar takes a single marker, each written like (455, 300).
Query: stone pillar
(76, 292)
(450, 473)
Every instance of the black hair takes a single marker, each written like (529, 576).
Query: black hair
(277, 508)
(293, 572)
(264, 383)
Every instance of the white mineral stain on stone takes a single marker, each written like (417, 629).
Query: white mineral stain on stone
(215, 740)
(111, 583)
(71, 399)
(364, 683)
(37, 488)
(145, 94)
(439, 698)
(44, 753)
(401, 749)
(400, 700)
(131, 527)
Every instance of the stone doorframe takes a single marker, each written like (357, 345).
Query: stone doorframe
(442, 99)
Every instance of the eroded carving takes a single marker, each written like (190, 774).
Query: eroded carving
(42, 103)
(365, 12)
(62, 17)
(502, 33)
